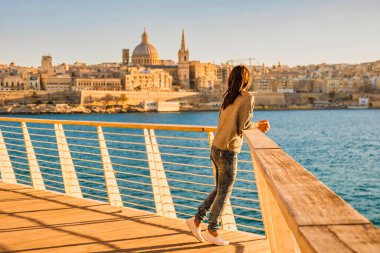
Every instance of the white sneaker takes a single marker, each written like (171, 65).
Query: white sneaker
(215, 240)
(194, 229)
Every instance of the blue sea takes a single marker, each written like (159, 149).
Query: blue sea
(340, 147)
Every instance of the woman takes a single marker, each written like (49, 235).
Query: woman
(234, 116)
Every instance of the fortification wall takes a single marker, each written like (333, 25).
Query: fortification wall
(35, 97)
(269, 99)
(136, 97)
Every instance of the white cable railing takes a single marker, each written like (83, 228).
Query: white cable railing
(161, 168)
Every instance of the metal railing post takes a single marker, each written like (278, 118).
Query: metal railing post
(153, 173)
(34, 168)
(166, 197)
(113, 192)
(7, 172)
(70, 179)
(227, 218)
(161, 192)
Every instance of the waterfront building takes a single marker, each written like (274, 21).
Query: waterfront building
(318, 85)
(284, 85)
(3, 69)
(161, 106)
(222, 74)
(60, 69)
(56, 82)
(183, 65)
(377, 84)
(33, 82)
(167, 63)
(262, 85)
(303, 85)
(139, 78)
(10, 82)
(46, 63)
(81, 72)
(125, 56)
(339, 85)
(112, 84)
(172, 70)
(145, 53)
(203, 76)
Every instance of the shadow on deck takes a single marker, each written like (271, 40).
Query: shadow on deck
(43, 221)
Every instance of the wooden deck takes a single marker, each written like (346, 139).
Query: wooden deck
(43, 221)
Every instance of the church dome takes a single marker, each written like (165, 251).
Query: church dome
(145, 53)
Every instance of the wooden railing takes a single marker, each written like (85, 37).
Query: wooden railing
(134, 167)
(161, 168)
(300, 213)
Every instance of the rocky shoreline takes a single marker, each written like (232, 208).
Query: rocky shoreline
(81, 109)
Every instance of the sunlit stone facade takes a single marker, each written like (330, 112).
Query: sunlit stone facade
(56, 82)
(145, 53)
(148, 80)
(9, 82)
(183, 65)
(97, 84)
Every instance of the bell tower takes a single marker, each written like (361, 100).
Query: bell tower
(183, 65)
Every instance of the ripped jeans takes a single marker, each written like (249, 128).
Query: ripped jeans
(225, 163)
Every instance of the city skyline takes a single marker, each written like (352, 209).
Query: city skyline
(292, 32)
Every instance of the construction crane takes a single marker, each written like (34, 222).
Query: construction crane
(239, 61)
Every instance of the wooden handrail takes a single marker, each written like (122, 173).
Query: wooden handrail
(186, 128)
(300, 213)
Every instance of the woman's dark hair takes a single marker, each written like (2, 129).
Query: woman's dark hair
(239, 79)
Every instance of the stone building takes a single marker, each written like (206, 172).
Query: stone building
(223, 72)
(145, 53)
(46, 63)
(12, 82)
(33, 82)
(125, 56)
(139, 78)
(203, 76)
(262, 84)
(284, 85)
(183, 65)
(56, 82)
(113, 84)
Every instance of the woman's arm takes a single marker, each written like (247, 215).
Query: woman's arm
(262, 125)
(247, 115)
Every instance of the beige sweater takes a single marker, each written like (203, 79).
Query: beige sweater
(232, 121)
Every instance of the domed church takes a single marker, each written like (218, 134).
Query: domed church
(145, 53)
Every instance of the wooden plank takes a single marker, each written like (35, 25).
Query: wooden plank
(341, 238)
(87, 227)
(320, 239)
(304, 199)
(283, 236)
(264, 205)
(258, 140)
(359, 238)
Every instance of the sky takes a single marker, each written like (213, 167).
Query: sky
(293, 32)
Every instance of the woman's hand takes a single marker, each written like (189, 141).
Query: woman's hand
(263, 125)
